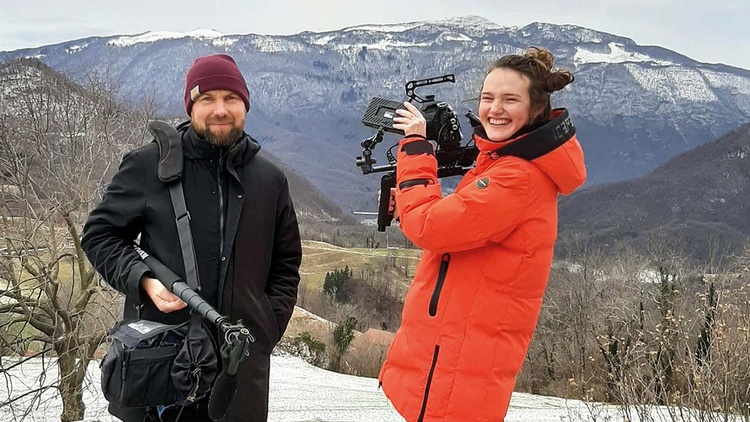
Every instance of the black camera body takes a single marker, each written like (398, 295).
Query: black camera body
(442, 122)
(443, 128)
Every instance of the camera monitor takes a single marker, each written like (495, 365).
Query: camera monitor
(380, 113)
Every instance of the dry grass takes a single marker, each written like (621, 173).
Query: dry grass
(318, 258)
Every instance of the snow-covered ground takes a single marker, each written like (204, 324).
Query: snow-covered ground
(299, 392)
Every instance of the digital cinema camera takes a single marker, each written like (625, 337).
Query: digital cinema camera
(443, 127)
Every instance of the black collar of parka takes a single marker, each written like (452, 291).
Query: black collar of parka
(196, 147)
(536, 141)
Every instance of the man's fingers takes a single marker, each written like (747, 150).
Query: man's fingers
(164, 300)
(168, 302)
(175, 306)
(167, 296)
(168, 307)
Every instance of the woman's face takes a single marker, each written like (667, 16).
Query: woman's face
(504, 104)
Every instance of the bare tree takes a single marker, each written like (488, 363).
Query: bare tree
(647, 330)
(58, 143)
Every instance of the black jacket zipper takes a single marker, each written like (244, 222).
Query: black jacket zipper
(221, 207)
(429, 382)
(439, 284)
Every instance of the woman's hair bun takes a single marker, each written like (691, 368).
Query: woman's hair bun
(551, 79)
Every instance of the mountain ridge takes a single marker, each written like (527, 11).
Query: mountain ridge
(634, 106)
(697, 202)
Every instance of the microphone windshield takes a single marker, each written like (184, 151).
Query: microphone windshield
(222, 395)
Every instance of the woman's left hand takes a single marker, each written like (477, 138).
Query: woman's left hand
(410, 120)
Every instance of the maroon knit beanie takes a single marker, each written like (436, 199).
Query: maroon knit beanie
(218, 71)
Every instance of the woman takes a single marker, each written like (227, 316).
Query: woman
(487, 248)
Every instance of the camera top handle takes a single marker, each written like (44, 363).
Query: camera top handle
(411, 86)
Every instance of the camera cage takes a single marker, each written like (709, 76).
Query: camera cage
(443, 128)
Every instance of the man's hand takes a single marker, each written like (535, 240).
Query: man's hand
(164, 300)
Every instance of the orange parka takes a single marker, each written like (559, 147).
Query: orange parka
(471, 310)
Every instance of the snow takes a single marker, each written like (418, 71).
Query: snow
(385, 44)
(322, 40)
(617, 54)
(154, 36)
(384, 28)
(470, 21)
(380, 45)
(475, 23)
(75, 48)
(274, 44)
(652, 276)
(454, 36)
(674, 83)
(224, 42)
(299, 392)
(727, 80)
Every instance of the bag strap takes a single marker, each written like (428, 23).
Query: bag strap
(170, 171)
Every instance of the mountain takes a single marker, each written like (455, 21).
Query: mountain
(28, 86)
(698, 201)
(634, 106)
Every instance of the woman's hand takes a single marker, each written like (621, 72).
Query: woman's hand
(410, 120)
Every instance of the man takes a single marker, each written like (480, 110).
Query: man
(243, 224)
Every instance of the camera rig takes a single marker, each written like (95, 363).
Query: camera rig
(443, 127)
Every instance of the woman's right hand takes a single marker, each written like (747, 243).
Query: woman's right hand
(164, 300)
(410, 120)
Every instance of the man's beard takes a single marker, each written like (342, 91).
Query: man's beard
(220, 139)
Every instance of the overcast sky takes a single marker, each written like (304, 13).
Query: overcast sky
(714, 31)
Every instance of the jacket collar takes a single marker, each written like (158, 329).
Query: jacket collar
(196, 147)
(531, 141)
(552, 147)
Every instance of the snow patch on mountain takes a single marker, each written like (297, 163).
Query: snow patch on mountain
(617, 54)
(470, 21)
(569, 33)
(154, 36)
(401, 27)
(270, 44)
(738, 84)
(473, 25)
(384, 44)
(673, 84)
(75, 48)
(454, 36)
(322, 40)
(224, 41)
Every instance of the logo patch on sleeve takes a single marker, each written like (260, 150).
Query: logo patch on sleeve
(483, 183)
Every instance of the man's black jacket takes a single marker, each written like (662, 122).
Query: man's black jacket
(248, 270)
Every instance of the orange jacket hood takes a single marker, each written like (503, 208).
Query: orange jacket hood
(552, 147)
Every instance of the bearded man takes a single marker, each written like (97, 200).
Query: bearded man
(242, 219)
